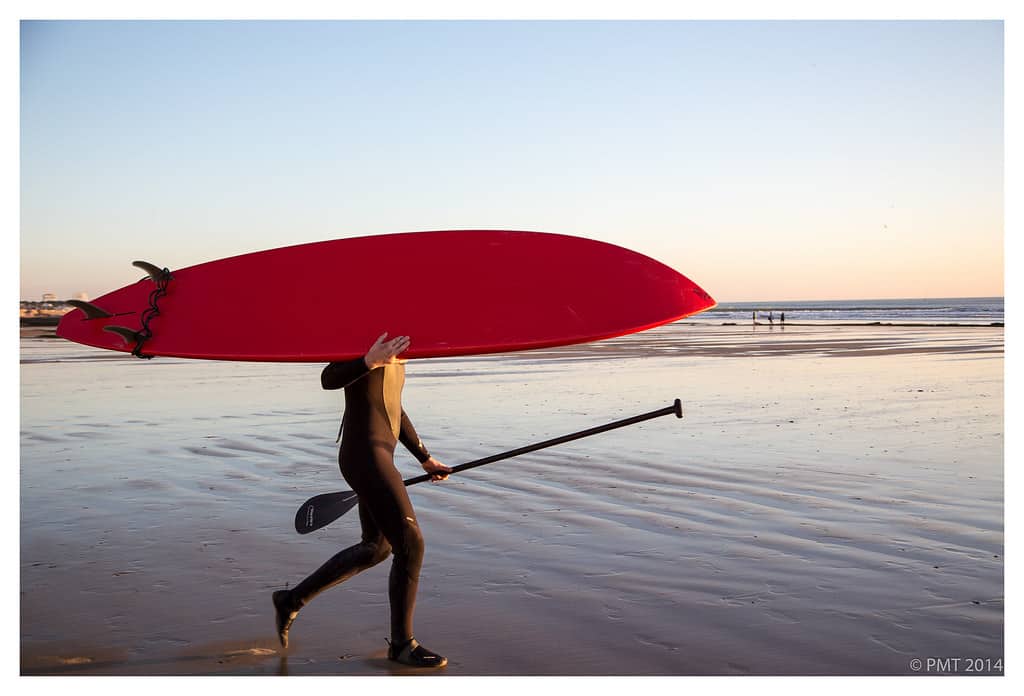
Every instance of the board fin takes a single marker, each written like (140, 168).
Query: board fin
(155, 273)
(91, 311)
(129, 335)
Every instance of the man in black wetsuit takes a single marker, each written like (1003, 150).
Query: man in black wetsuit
(373, 424)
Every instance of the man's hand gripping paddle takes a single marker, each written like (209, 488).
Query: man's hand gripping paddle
(319, 511)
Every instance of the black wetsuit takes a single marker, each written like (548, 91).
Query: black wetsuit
(374, 422)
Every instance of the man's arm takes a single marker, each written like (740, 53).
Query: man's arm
(411, 440)
(338, 375)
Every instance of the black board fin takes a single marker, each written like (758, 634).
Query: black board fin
(129, 335)
(91, 311)
(155, 272)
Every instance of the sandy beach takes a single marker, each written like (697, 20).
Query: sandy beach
(831, 504)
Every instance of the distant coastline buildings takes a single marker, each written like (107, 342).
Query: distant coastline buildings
(48, 306)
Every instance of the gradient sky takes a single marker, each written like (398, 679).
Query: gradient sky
(765, 160)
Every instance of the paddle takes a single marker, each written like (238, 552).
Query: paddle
(319, 511)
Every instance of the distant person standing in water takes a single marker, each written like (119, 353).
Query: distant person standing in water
(373, 423)
(771, 318)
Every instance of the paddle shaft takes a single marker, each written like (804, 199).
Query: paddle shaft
(676, 408)
(319, 511)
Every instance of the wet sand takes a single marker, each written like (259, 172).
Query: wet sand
(832, 503)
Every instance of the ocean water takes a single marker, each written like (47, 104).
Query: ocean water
(967, 311)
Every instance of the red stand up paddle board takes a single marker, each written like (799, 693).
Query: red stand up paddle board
(460, 292)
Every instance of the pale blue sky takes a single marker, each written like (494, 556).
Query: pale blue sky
(766, 160)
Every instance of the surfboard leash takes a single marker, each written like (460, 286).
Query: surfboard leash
(162, 277)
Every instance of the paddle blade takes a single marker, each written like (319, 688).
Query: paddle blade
(320, 510)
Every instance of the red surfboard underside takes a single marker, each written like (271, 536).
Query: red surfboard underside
(460, 292)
